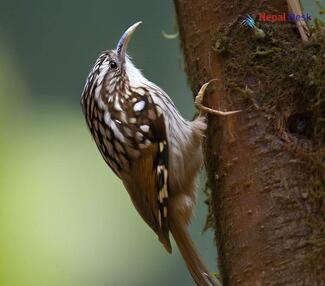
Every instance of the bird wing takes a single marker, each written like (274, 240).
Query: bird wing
(147, 179)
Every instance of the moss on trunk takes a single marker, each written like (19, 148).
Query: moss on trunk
(265, 165)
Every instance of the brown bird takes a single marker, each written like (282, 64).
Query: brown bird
(149, 146)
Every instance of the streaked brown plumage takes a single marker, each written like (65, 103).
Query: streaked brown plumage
(150, 147)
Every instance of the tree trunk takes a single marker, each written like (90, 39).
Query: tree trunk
(265, 165)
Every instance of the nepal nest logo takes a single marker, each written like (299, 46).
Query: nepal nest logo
(272, 18)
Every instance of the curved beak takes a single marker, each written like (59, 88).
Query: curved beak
(124, 41)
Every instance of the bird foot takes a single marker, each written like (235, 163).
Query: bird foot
(203, 109)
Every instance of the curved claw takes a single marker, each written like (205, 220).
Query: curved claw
(203, 109)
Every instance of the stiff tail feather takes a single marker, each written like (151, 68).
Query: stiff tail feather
(192, 259)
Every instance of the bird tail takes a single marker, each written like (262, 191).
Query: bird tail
(192, 259)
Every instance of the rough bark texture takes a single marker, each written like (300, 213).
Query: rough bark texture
(268, 210)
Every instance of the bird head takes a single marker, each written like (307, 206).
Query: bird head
(114, 65)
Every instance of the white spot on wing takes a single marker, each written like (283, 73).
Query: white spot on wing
(161, 146)
(139, 106)
(144, 128)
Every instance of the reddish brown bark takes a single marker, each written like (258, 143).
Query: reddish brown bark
(259, 185)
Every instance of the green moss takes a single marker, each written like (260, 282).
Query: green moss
(262, 52)
(275, 70)
(285, 78)
(221, 45)
(209, 223)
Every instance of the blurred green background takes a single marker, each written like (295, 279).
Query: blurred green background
(65, 219)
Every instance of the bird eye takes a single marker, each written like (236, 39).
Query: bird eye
(113, 65)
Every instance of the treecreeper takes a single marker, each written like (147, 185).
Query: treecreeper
(149, 145)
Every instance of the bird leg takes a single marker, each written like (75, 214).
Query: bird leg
(203, 109)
